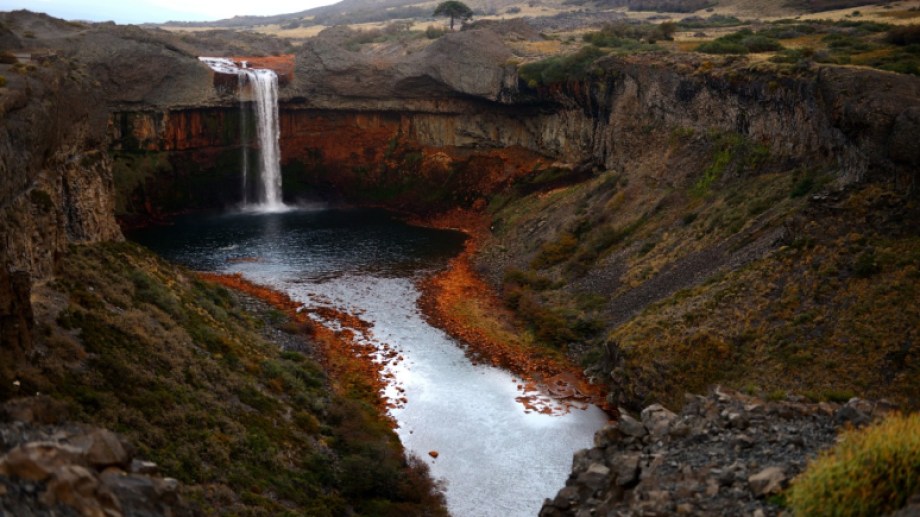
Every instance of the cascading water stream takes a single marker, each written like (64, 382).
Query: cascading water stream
(263, 87)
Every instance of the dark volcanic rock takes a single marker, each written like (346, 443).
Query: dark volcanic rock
(701, 461)
(470, 63)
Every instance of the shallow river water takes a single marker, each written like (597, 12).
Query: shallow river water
(494, 456)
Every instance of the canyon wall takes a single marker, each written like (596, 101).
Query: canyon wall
(422, 129)
(409, 137)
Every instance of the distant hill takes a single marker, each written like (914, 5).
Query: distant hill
(348, 12)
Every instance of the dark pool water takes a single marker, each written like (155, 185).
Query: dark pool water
(495, 457)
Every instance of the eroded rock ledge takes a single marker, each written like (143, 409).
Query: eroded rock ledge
(724, 454)
(53, 468)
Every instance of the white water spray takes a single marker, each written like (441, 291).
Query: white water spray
(263, 85)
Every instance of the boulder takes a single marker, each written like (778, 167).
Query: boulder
(630, 426)
(102, 448)
(37, 461)
(626, 468)
(657, 419)
(768, 481)
(79, 488)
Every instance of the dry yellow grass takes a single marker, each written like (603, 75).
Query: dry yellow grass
(540, 48)
(866, 58)
(298, 33)
(807, 41)
(905, 14)
(872, 471)
(688, 46)
(869, 13)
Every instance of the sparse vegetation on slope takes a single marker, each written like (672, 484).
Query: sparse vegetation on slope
(796, 320)
(871, 471)
(183, 369)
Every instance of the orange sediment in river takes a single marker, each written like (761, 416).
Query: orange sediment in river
(456, 300)
(466, 307)
(355, 367)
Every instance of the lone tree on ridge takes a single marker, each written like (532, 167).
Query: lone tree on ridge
(454, 9)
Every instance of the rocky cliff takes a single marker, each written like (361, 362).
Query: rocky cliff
(670, 221)
(651, 177)
(664, 170)
(354, 122)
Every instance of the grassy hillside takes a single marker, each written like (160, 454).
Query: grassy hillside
(736, 272)
(204, 383)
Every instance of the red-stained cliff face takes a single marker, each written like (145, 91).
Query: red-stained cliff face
(408, 161)
(397, 159)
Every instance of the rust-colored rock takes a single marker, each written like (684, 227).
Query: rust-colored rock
(37, 461)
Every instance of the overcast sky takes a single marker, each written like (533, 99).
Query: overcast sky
(156, 11)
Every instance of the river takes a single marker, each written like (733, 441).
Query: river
(494, 456)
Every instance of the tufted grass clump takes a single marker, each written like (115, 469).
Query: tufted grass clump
(872, 471)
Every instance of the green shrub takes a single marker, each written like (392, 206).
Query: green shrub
(432, 32)
(528, 278)
(846, 42)
(866, 264)
(716, 20)
(555, 252)
(759, 43)
(907, 35)
(721, 46)
(741, 42)
(902, 66)
(561, 68)
(626, 35)
(41, 199)
(872, 471)
(788, 31)
(803, 187)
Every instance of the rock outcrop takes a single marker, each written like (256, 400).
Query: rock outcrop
(49, 468)
(723, 454)
(397, 117)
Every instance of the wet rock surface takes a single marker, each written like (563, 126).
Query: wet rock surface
(723, 454)
(68, 469)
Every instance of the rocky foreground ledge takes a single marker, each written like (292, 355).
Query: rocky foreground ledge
(64, 469)
(724, 454)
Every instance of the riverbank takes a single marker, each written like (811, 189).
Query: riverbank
(225, 393)
(356, 367)
(461, 303)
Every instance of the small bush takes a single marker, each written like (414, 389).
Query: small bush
(741, 42)
(872, 471)
(720, 46)
(528, 278)
(7, 58)
(802, 187)
(561, 68)
(432, 32)
(866, 264)
(908, 35)
(758, 43)
(2, 81)
(715, 20)
(42, 200)
(555, 252)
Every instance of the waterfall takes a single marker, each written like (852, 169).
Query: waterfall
(244, 139)
(262, 85)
